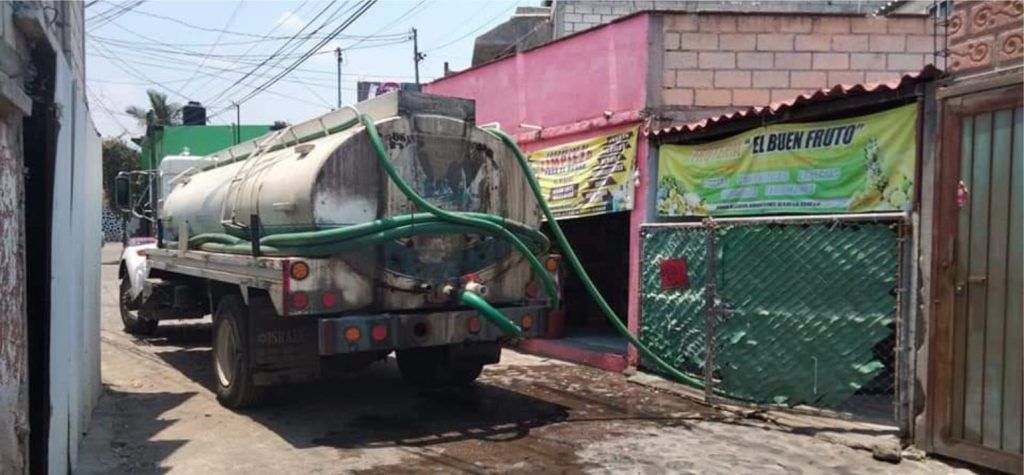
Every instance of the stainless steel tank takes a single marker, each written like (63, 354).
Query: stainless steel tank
(337, 181)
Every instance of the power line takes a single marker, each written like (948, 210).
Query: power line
(131, 71)
(272, 55)
(216, 42)
(228, 32)
(109, 15)
(361, 38)
(172, 49)
(482, 26)
(204, 74)
(348, 22)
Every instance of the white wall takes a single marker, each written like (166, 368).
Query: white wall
(77, 237)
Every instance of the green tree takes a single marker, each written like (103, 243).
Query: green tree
(118, 156)
(160, 111)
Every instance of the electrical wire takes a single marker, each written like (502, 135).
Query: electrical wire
(108, 16)
(216, 42)
(348, 22)
(235, 33)
(269, 58)
(482, 26)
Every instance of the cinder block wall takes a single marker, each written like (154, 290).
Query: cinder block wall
(577, 15)
(728, 61)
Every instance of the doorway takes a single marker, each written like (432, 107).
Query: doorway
(976, 343)
(602, 244)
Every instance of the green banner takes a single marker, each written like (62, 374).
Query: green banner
(855, 165)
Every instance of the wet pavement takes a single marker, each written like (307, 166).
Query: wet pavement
(525, 415)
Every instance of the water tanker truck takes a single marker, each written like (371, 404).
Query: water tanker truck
(396, 225)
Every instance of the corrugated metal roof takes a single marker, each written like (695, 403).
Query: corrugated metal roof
(822, 95)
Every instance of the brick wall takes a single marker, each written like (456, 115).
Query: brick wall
(985, 36)
(722, 60)
(578, 15)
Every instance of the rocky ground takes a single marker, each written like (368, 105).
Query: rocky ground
(525, 415)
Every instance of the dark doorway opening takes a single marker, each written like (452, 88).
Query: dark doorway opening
(602, 244)
(39, 139)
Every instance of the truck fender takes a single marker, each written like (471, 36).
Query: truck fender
(136, 266)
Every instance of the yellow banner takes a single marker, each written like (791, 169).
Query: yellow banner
(588, 177)
(855, 165)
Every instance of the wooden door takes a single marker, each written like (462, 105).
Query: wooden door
(979, 310)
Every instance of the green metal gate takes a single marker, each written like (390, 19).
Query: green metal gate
(798, 311)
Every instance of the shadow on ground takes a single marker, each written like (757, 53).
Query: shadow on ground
(372, 408)
(134, 418)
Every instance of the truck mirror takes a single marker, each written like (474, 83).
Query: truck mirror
(122, 193)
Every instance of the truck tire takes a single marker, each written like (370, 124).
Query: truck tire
(131, 315)
(232, 375)
(431, 367)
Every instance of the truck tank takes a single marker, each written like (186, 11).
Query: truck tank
(336, 181)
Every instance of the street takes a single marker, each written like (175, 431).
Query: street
(525, 415)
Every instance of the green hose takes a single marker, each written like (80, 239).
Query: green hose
(312, 248)
(457, 218)
(490, 313)
(574, 261)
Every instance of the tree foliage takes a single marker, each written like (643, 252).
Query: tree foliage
(117, 157)
(160, 111)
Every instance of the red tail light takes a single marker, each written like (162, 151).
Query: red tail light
(300, 300)
(474, 324)
(379, 332)
(329, 300)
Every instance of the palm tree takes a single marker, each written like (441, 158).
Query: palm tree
(160, 111)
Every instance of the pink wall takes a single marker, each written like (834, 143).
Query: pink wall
(562, 84)
(567, 87)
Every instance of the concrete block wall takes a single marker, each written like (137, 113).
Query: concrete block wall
(731, 61)
(572, 16)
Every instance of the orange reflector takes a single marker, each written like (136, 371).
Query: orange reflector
(474, 325)
(352, 334)
(379, 332)
(300, 270)
(299, 300)
(527, 322)
(551, 264)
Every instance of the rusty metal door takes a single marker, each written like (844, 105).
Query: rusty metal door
(983, 155)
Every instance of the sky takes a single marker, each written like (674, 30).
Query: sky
(208, 52)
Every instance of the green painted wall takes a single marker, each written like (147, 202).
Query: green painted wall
(200, 140)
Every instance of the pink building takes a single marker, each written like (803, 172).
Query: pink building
(647, 71)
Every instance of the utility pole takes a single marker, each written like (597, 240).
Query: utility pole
(337, 51)
(416, 55)
(238, 123)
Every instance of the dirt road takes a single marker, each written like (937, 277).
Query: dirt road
(526, 415)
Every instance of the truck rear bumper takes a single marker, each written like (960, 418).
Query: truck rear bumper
(355, 333)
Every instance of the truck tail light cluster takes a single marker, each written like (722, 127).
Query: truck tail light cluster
(553, 264)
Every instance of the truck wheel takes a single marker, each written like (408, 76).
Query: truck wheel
(431, 367)
(235, 388)
(131, 316)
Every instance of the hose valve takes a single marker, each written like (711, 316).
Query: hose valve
(477, 288)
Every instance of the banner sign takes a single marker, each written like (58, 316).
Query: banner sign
(856, 165)
(588, 177)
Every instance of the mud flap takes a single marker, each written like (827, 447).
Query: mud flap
(283, 349)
